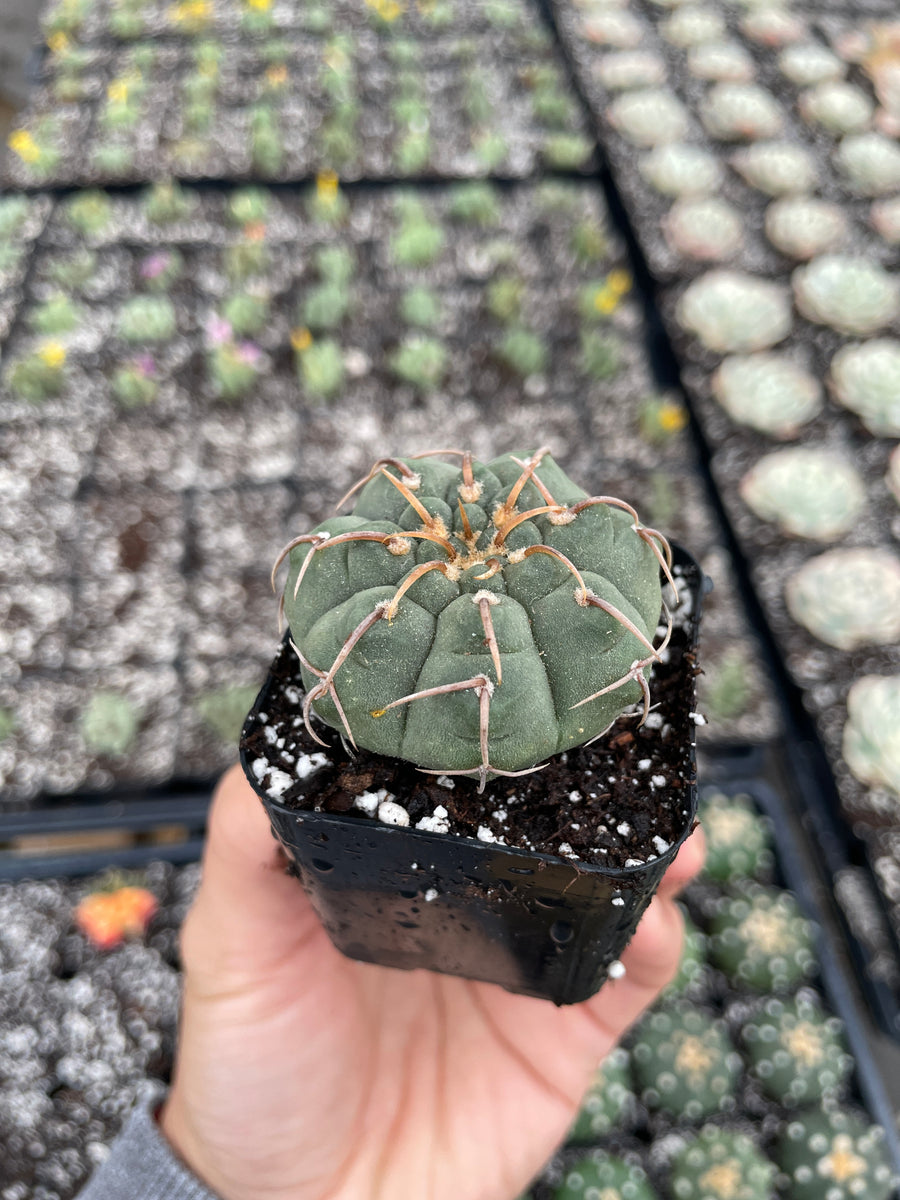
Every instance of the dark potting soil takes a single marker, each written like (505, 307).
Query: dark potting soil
(620, 801)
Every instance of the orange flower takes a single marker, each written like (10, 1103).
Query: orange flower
(107, 918)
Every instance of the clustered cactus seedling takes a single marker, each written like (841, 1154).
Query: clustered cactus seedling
(721, 1164)
(475, 619)
(609, 1101)
(738, 839)
(684, 1063)
(871, 746)
(795, 1051)
(833, 1154)
(761, 940)
(600, 1174)
(848, 597)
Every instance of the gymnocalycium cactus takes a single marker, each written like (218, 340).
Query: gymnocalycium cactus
(475, 618)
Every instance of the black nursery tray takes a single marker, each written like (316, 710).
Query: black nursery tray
(646, 1139)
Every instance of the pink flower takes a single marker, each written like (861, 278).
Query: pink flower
(248, 353)
(145, 365)
(154, 264)
(218, 330)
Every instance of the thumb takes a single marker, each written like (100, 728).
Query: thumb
(248, 914)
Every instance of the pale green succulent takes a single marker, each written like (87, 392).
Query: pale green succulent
(849, 294)
(523, 351)
(109, 724)
(420, 306)
(885, 218)
(724, 690)
(649, 117)
(808, 63)
(740, 112)
(692, 25)
(804, 226)
(57, 315)
(705, 229)
(721, 62)
(770, 25)
(679, 169)
(767, 392)
(808, 491)
(731, 312)
(777, 168)
(871, 163)
(89, 212)
(871, 745)
(440, 625)
(625, 70)
(866, 379)
(613, 27)
(837, 106)
(848, 597)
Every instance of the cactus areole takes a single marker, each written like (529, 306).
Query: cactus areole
(475, 619)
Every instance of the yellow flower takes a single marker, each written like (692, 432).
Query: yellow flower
(619, 281)
(53, 355)
(58, 42)
(326, 185)
(387, 10)
(117, 91)
(191, 12)
(671, 416)
(606, 301)
(260, 5)
(277, 76)
(301, 339)
(22, 143)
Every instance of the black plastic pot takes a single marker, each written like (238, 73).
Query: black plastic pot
(534, 923)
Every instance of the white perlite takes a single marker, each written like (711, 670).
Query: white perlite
(279, 782)
(485, 835)
(431, 894)
(618, 902)
(658, 780)
(307, 763)
(661, 844)
(392, 813)
(367, 801)
(615, 970)
(623, 829)
(436, 823)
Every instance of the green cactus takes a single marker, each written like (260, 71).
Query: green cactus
(113, 157)
(55, 316)
(474, 619)
(475, 203)
(420, 306)
(135, 383)
(249, 206)
(74, 270)
(88, 212)
(246, 313)
(109, 724)
(168, 201)
(420, 361)
(321, 366)
(146, 319)
(13, 212)
(523, 351)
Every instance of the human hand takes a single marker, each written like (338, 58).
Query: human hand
(302, 1075)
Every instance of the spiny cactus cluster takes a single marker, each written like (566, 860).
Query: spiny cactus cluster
(475, 619)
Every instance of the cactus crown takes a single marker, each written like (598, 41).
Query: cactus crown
(475, 618)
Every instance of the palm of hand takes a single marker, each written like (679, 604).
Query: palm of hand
(303, 1075)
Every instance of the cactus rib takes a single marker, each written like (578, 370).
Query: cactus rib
(334, 607)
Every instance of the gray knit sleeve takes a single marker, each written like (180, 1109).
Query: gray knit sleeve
(141, 1166)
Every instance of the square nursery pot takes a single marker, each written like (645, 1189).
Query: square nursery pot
(538, 923)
